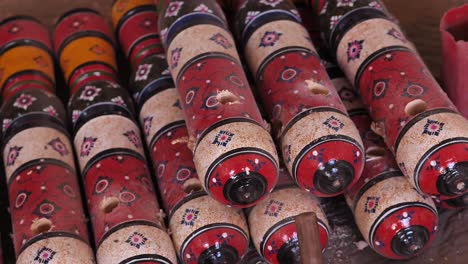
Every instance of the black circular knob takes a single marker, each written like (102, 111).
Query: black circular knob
(245, 188)
(223, 254)
(410, 241)
(333, 176)
(454, 181)
(289, 253)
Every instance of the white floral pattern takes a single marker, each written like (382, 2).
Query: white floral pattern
(75, 115)
(203, 9)
(118, 100)
(271, 3)
(143, 72)
(343, 3)
(24, 101)
(163, 34)
(89, 93)
(50, 110)
(173, 8)
(251, 15)
(334, 20)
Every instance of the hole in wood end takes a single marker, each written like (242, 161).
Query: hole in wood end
(226, 97)
(109, 204)
(317, 88)
(415, 107)
(192, 185)
(41, 225)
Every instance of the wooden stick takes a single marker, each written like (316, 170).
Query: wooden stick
(309, 238)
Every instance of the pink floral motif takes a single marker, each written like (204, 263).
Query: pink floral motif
(58, 146)
(371, 204)
(175, 56)
(334, 20)
(270, 38)
(44, 255)
(89, 93)
(75, 115)
(354, 50)
(273, 208)
(87, 146)
(271, 3)
(223, 138)
(349, 3)
(136, 240)
(334, 123)
(375, 5)
(250, 15)
(6, 124)
(397, 34)
(433, 127)
(173, 8)
(147, 124)
(13, 154)
(203, 9)
(189, 217)
(163, 34)
(143, 71)
(133, 138)
(50, 110)
(118, 100)
(24, 101)
(221, 40)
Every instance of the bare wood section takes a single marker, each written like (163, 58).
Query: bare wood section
(309, 239)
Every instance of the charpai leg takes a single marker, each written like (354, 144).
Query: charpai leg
(127, 221)
(233, 151)
(417, 120)
(49, 224)
(320, 145)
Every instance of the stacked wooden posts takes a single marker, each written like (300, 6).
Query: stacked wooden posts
(415, 117)
(126, 218)
(233, 151)
(47, 214)
(203, 230)
(321, 146)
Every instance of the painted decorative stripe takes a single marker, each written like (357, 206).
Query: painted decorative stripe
(306, 113)
(280, 52)
(415, 120)
(434, 149)
(146, 258)
(318, 142)
(190, 20)
(349, 20)
(206, 228)
(390, 210)
(49, 235)
(264, 18)
(233, 153)
(376, 179)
